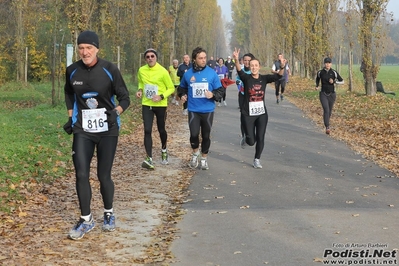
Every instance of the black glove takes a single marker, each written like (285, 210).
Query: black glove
(238, 82)
(68, 126)
(111, 117)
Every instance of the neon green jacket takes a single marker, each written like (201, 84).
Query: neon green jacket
(173, 75)
(155, 81)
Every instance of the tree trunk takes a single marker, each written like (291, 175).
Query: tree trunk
(19, 7)
(350, 70)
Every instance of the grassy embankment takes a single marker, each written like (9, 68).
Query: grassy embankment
(34, 146)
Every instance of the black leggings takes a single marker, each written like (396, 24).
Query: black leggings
(255, 130)
(82, 153)
(327, 102)
(203, 122)
(280, 83)
(224, 96)
(148, 113)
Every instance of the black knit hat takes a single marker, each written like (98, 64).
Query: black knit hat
(89, 37)
(327, 60)
(152, 50)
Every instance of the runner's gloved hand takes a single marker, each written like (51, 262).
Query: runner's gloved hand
(111, 117)
(68, 126)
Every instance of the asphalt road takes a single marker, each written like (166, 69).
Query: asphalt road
(313, 196)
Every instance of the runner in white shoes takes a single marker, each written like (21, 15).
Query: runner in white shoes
(200, 87)
(254, 115)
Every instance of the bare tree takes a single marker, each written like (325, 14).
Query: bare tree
(369, 36)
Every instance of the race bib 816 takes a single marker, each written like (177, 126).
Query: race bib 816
(93, 120)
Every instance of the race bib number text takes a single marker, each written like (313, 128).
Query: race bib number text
(93, 120)
(199, 90)
(150, 90)
(256, 108)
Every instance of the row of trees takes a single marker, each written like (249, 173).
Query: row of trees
(126, 29)
(306, 31)
(34, 32)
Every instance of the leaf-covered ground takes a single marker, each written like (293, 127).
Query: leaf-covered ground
(368, 124)
(148, 203)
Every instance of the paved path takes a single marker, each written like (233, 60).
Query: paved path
(312, 194)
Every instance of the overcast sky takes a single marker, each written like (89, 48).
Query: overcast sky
(393, 6)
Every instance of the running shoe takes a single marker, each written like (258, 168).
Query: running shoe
(204, 164)
(257, 164)
(281, 97)
(109, 222)
(147, 163)
(185, 112)
(81, 228)
(219, 104)
(165, 157)
(242, 142)
(328, 131)
(277, 101)
(224, 103)
(194, 160)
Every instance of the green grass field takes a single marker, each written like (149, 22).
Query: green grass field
(388, 75)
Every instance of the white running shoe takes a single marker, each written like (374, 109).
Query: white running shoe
(185, 112)
(224, 103)
(194, 160)
(204, 164)
(257, 164)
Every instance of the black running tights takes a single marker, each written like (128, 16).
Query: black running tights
(82, 153)
(200, 122)
(148, 113)
(255, 130)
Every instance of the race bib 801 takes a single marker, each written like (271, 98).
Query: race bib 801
(199, 90)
